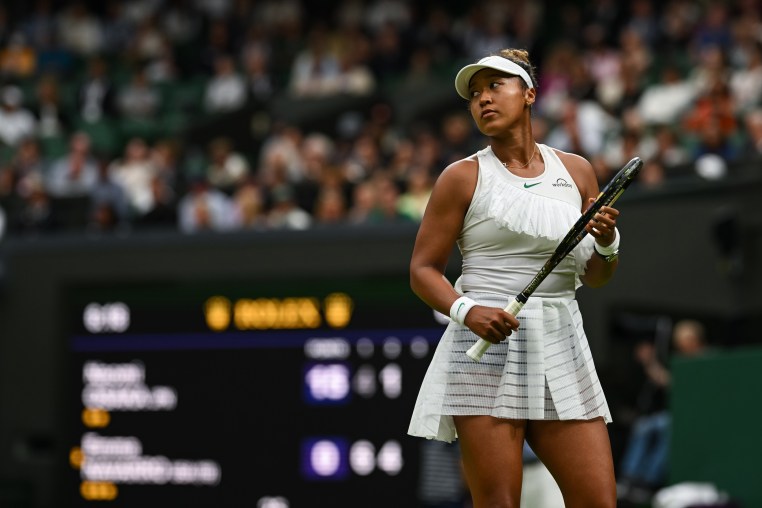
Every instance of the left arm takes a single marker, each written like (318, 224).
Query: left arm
(601, 227)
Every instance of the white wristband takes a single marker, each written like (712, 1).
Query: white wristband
(609, 249)
(460, 308)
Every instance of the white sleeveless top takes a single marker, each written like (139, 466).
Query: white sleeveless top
(514, 224)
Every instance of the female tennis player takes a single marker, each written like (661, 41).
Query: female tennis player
(507, 207)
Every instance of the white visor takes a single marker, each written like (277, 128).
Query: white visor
(498, 63)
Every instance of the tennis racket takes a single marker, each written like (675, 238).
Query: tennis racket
(607, 197)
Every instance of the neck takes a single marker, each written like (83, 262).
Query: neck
(519, 158)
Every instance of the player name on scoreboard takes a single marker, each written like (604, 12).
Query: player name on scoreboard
(107, 461)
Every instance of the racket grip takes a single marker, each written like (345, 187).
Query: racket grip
(481, 346)
(476, 351)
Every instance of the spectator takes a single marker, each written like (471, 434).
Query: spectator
(218, 43)
(583, 128)
(488, 34)
(226, 90)
(602, 61)
(118, 28)
(163, 67)
(643, 21)
(16, 122)
(96, 96)
(134, 173)
(280, 156)
(670, 153)
(180, 22)
(138, 100)
(163, 212)
(746, 82)
(79, 30)
(403, 160)
(75, 173)
(412, 203)
(353, 78)
(227, 168)
(35, 213)
(27, 167)
(634, 141)
(259, 81)
(164, 157)
(389, 57)
(363, 203)
(713, 29)
(52, 119)
(364, 160)
(285, 213)
(248, 206)
(148, 42)
(457, 140)
(554, 80)
(18, 60)
(387, 203)
(330, 208)
(644, 464)
(109, 205)
(436, 35)
(315, 68)
(712, 120)
(204, 208)
(381, 13)
(635, 50)
(666, 101)
(39, 26)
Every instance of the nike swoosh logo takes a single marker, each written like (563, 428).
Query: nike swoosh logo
(526, 186)
(459, 307)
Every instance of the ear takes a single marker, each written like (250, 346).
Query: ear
(529, 96)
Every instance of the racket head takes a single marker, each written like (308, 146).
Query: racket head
(617, 185)
(607, 196)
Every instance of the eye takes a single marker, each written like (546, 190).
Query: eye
(474, 94)
(495, 84)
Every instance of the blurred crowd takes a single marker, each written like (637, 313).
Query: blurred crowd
(96, 98)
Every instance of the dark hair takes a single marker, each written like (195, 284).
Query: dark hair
(521, 58)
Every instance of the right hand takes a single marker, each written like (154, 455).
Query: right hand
(491, 323)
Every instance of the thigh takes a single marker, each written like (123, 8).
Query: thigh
(491, 451)
(578, 455)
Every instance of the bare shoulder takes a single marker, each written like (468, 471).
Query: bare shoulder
(459, 178)
(581, 171)
(449, 200)
(574, 162)
(461, 171)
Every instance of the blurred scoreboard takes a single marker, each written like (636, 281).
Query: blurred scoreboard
(262, 394)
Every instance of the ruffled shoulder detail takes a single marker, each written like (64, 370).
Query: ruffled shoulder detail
(511, 208)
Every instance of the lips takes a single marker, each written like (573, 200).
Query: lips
(488, 112)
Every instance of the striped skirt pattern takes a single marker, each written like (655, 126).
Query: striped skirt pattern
(543, 372)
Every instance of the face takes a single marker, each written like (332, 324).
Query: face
(498, 101)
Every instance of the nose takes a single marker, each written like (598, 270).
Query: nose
(485, 97)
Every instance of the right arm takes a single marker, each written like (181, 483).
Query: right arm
(439, 230)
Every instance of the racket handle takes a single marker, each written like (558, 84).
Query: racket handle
(481, 346)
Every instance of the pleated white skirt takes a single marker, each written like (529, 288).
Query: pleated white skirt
(543, 372)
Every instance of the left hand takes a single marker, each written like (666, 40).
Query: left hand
(602, 225)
